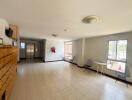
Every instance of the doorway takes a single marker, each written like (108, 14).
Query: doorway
(30, 50)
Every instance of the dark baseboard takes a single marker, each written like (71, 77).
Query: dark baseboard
(118, 79)
(31, 58)
(35, 58)
(18, 61)
(53, 61)
(22, 58)
(40, 59)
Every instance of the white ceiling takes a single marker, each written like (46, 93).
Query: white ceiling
(41, 18)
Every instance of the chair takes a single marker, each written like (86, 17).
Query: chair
(72, 60)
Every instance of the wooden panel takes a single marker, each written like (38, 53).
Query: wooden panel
(1, 84)
(8, 65)
(6, 51)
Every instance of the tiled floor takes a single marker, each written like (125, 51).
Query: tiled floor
(63, 81)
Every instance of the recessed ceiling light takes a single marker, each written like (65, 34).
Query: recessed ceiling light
(90, 19)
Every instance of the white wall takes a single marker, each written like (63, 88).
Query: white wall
(78, 51)
(59, 55)
(96, 49)
(3, 25)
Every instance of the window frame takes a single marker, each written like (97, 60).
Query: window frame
(116, 60)
(65, 47)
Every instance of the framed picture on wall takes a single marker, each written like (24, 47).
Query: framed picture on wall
(1, 41)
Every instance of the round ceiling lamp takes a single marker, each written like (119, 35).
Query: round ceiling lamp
(90, 19)
(54, 35)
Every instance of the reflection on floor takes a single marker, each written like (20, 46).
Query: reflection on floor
(63, 81)
(35, 60)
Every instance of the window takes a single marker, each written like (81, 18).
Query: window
(117, 55)
(68, 50)
(22, 45)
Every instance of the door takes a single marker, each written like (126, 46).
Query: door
(30, 50)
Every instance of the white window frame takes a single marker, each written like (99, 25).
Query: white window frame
(116, 60)
(67, 43)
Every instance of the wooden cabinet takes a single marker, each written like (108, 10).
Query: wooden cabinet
(15, 31)
(8, 66)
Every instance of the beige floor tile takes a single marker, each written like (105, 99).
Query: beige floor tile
(64, 81)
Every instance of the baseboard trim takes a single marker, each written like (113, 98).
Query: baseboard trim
(53, 61)
(31, 58)
(105, 74)
(70, 62)
(121, 80)
(18, 62)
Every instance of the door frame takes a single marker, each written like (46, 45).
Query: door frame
(26, 49)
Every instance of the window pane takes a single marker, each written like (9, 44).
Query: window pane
(116, 66)
(112, 50)
(22, 45)
(121, 50)
(68, 50)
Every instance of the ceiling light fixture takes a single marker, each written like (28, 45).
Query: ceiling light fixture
(54, 35)
(90, 19)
